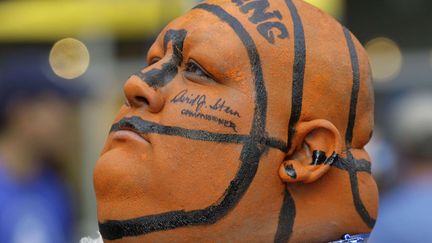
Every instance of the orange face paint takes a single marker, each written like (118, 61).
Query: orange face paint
(199, 152)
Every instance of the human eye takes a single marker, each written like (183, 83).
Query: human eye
(196, 73)
(154, 60)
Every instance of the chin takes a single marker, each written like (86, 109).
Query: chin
(118, 174)
(124, 186)
(122, 169)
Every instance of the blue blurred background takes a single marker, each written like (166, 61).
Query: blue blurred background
(62, 68)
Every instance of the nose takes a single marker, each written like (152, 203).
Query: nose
(140, 94)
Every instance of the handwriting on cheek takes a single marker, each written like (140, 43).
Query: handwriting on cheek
(199, 102)
(219, 121)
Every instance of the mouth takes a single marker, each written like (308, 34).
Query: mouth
(127, 128)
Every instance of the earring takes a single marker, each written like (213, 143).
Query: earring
(318, 157)
(332, 159)
(289, 170)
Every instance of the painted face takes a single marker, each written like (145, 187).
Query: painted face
(195, 151)
(189, 139)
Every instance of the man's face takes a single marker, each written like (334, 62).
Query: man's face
(185, 147)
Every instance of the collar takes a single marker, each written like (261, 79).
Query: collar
(360, 238)
(347, 238)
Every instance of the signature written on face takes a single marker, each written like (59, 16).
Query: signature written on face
(218, 120)
(199, 102)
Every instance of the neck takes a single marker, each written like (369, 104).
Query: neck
(18, 157)
(330, 211)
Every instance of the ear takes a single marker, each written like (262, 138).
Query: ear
(315, 147)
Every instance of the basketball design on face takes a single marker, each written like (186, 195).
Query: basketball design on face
(248, 125)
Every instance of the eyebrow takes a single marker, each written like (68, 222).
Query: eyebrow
(157, 78)
(177, 38)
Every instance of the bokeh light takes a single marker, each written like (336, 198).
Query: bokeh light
(332, 7)
(385, 58)
(69, 58)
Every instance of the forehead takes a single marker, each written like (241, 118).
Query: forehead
(215, 45)
(206, 30)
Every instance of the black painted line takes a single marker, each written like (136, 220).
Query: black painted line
(287, 213)
(355, 87)
(276, 143)
(286, 219)
(298, 70)
(176, 37)
(361, 209)
(142, 126)
(250, 156)
(158, 78)
(353, 165)
(139, 125)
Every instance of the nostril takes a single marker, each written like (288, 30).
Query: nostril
(142, 100)
(140, 95)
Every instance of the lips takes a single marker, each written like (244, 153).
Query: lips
(128, 128)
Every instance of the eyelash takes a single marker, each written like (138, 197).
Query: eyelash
(192, 70)
(195, 69)
(154, 60)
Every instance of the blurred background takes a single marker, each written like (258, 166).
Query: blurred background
(62, 68)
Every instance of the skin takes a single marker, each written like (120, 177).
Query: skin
(141, 174)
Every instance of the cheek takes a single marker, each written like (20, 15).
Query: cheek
(215, 108)
(193, 174)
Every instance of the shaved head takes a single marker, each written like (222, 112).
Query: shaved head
(248, 125)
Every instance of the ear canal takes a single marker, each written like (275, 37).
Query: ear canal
(318, 157)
